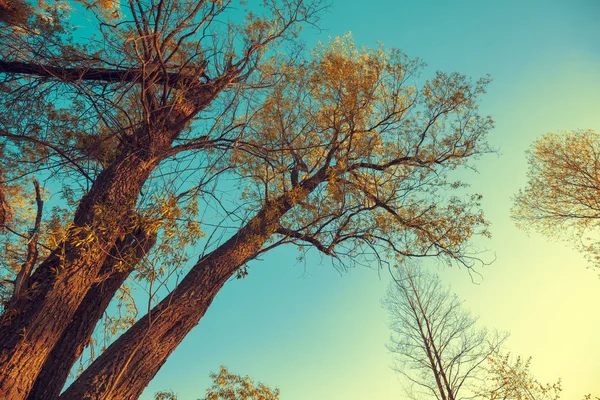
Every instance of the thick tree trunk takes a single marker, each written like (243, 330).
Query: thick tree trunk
(36, 321)
(130, 251)
(29, 332)
(128, 365)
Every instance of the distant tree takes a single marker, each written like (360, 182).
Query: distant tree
(165, 395)
(508, 379)
(438, 348)
(228, 386)
(562, 195)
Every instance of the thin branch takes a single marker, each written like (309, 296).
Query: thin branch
(22, 280)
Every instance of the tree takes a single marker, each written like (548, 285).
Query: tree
(561, 196)
(228, 386)
(165, 396)
(337, 152)
(439, 350)
(122, 111)
(509, 379)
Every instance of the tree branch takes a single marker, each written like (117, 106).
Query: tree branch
(306, 238)
(51, 146)
(74, 74)
(5, 210)
(22, 279)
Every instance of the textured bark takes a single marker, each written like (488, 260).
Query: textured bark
(31, 329)
(55, 371)
(128, 365)
(29, 333)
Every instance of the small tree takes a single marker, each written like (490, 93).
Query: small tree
(509, 379)
(227, 386)
(439, 349)
(165, 395)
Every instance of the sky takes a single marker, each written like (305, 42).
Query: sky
(319, 334)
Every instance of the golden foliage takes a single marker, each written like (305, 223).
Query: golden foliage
(14, 12)
(227, 386)
(510, 379)
(341, 152)
(562, 195)
(386, 144)
(18, 230)
(564, 182)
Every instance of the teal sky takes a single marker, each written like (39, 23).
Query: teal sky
(318, 334)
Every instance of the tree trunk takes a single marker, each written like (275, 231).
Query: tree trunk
(29, 331)
(56, 369)
(128, 365)
(32, 327)
(427, 342)
(441, 370)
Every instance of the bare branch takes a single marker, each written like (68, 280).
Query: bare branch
(22, 279)
(73, 74)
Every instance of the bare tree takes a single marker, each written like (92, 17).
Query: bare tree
(438, 348)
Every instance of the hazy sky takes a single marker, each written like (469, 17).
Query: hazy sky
(317, 334)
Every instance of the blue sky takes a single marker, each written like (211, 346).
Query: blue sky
(319, 334)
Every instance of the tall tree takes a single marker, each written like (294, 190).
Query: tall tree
(147, 123)
(561, 198)
(439, 349)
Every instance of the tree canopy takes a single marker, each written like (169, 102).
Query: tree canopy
(510, 379)
(561, 196)
(228, 386)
